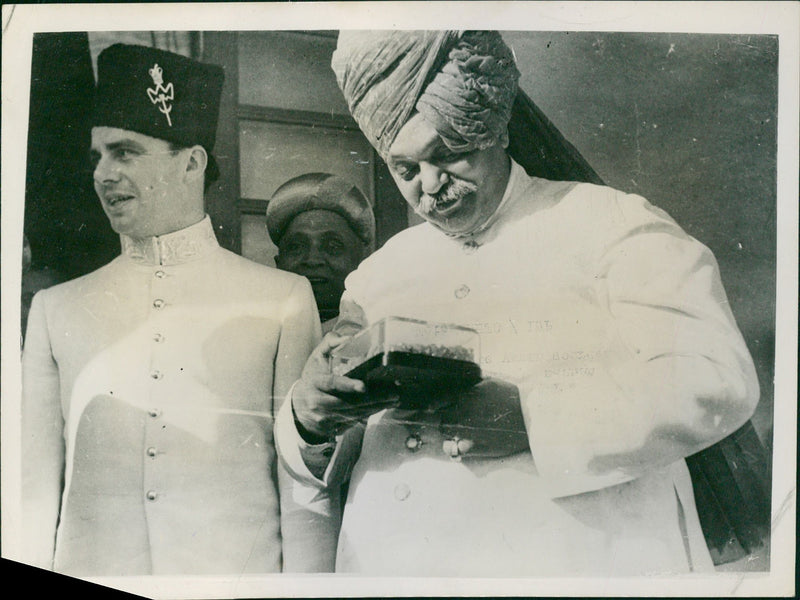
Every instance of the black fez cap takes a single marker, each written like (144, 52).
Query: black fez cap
(160, 94)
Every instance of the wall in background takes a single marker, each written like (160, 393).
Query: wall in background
(293, 119)
(290, 70)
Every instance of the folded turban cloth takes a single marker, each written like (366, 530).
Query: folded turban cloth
(463, 83)
(320, 191)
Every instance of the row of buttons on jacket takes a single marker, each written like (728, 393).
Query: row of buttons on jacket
(152, 452)
(158, 302)
(157, 375)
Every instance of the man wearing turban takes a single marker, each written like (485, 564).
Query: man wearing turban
(323, 227)
(607, 348)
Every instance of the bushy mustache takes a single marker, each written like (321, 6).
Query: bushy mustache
(456, 189)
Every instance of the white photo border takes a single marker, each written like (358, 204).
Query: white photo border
(20, 22)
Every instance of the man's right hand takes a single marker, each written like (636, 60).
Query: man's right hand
(326, 404)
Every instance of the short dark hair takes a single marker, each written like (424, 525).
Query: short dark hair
(212, 170)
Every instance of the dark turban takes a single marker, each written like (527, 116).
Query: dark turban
(463, 83)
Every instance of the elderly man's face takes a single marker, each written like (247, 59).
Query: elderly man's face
(138, 180)
(456, 192)
(320, 245)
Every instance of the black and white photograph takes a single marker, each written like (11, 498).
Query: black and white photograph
(346, 299)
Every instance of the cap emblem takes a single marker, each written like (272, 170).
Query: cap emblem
(161, 94)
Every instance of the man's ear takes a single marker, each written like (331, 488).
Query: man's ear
(504, 138)
(197, 163)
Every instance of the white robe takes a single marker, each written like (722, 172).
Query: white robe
(613, 324)
(149, 390)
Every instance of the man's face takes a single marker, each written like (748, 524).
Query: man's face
(139, 182)
(456, 192)
(320, 245)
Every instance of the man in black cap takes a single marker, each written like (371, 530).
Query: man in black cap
(149, 384)
(323, 227)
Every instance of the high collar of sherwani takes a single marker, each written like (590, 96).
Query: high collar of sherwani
(186, 245)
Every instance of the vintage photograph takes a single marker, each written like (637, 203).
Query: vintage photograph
(311, 306)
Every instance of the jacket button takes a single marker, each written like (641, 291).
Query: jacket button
(158, 303)
(154, 413)
(158, 338)
(402, 491)
(156, 374)
(413, 442)
(151, 452)
(461, 291)
(160, 274)
(151, 495)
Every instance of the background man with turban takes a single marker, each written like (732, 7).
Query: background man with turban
(323, 227)
(608, 350)
(148, 385)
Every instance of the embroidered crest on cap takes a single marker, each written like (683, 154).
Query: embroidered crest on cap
(161, 93)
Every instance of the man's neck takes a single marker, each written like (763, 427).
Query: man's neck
(185, 223)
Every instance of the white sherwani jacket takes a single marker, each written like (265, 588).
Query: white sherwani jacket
(147, 412)
(613, 324)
